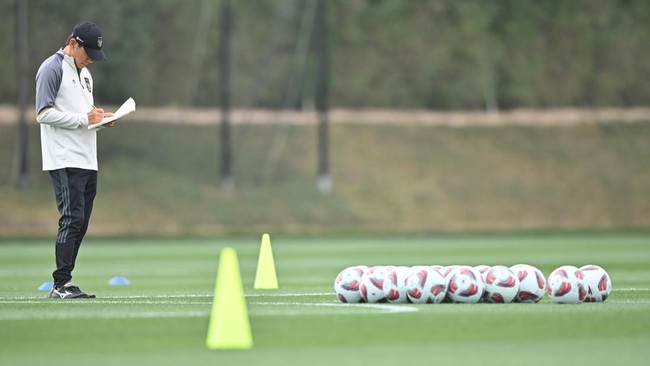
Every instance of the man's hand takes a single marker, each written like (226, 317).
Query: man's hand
(96, 115)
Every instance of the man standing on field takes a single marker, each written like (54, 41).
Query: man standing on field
(64, 109)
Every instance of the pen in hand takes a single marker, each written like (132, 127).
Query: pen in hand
(96, 115)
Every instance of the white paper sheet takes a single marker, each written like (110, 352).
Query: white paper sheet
(126, 108)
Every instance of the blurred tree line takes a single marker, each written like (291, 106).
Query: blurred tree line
(438, 54)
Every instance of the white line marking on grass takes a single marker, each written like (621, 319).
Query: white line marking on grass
(106, 315)
(628, 301)
(176, 296)
(270, 294)
(203, 310)
(72, 302)
(630, 289)
(153, 299)
(43, 299)
(35, 299)
(171, 296)
(387, 308)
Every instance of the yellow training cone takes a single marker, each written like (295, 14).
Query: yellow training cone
(229, 325)
(265, 278)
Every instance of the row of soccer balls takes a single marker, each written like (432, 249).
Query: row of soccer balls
(467, 284)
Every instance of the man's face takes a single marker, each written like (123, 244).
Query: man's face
(80, 56)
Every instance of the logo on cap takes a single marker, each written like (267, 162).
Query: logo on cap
(100, 40)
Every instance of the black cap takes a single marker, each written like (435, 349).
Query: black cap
(90, 38)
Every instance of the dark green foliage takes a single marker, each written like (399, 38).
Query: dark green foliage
(390, 54)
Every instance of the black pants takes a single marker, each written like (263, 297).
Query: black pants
(75, 191)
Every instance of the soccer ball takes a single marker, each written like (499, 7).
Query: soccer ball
(446, 271)
(597, 283)
(426, 286)
(395, 284)
(501, 285)
(372, 284)
(532, 284)
(566, 285)
(347, 284)
(482, 269)
(440, 269)
(465, 285)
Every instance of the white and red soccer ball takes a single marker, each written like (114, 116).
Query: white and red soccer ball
(395, 284)
(566, 285)
(532, 283)
(372, 284)
(426, 286)
(501, 285)
(482, 268)
(597, 283)
(465, 285)
(446, 270)
(347, 284)
(440, 269)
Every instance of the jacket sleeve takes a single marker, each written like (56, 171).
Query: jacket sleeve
(48, 81)
(54, 117)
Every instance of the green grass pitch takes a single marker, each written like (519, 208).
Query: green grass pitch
(162, 317)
